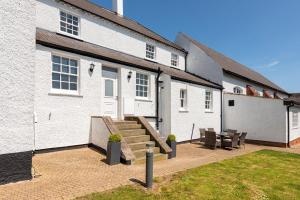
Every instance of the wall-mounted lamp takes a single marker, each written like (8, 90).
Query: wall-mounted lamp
(129, 75)
(92, 66)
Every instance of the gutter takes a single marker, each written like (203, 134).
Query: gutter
(159, 72)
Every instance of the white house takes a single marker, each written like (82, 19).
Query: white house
(251, 102)
(68, 61)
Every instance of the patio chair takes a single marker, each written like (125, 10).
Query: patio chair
(242, 139)
(202, 134)
(231, 142)
(211, 129)
(211, 140)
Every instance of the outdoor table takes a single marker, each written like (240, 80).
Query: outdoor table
(223, 135)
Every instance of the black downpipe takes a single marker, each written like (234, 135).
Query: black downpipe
(288, 123)
(221, 109)
(159, 72)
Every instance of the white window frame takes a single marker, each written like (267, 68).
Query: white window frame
(150, 52)
(137, 96)
(208, 101)
(174, 62)
(78, 27)
(183, 100)
(65, 91)
(295, 119)
(237, 90)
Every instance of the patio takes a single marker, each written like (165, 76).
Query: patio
(72, 173)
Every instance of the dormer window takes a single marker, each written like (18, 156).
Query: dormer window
(69, 23)
(237, 90)
(174, 60)
(150, 51)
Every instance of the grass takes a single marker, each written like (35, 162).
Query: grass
(261, 175)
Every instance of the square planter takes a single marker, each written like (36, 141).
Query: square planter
(172, 145)
(113, 153)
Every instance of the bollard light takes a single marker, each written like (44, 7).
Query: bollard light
(149, 165)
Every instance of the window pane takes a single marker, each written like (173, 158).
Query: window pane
(108, 72)
(64, 77)
(109, 88)
(73, 79)
(73, 63)
(73, 86)
(55, 77)
(56, 67)
(56, 59)
(65, 61)
(64, 85)
(65, 69)
(55, 84)
(73, 70)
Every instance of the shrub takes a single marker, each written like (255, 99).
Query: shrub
(171, 138)
(115, 138)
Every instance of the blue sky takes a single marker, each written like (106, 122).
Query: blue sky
(262, 34)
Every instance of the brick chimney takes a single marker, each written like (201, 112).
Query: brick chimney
(117, 6)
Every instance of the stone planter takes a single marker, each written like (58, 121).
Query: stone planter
(172, 145)
(113, 153)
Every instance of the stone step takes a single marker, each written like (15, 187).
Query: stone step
(142, 152)
(156, 157)
(133, 132)
(124, 122)
(136, 139)
(129, 126)
(139, 145)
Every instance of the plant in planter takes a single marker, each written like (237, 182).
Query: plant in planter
(114, 149)
(171, 141)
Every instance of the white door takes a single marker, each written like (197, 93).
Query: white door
(110, 92)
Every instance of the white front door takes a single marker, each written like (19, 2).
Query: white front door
(110, 92)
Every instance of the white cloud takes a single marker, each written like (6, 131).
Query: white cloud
(272, 64)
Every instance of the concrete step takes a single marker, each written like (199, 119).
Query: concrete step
(124, 122)
(136, 139)
(142, 153)
(140, 145)
(133, 132)
(129, 126)
(157, 157)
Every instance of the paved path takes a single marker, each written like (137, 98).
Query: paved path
(72, 173)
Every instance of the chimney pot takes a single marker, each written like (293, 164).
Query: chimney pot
(118, 6)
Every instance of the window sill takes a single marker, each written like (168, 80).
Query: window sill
(64, 94)
(209, 111)
(70, 35)
(183, 111)
(143, 99)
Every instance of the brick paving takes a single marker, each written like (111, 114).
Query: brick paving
(73, 173)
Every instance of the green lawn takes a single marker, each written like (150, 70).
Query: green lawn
(261, 175)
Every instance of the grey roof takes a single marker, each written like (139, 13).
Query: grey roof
(294, 98)
(120, 20)
(59, 41)
(233, 67)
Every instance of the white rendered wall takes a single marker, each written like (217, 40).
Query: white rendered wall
(102, 32)
(294, 131)
(182, 121)
(263, 119)
(198, 62)
(17, 47)
(230, 82)
(64, 120)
